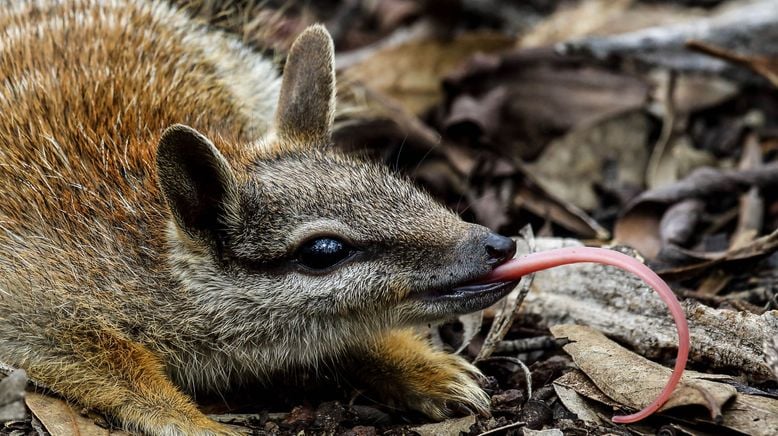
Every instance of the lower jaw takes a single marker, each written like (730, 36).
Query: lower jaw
(464, 300)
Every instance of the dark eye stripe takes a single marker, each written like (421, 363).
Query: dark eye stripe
(323, 253)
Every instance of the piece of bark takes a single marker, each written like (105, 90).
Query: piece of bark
(621, 306)
(12, 396)
(771, 355)
(749, 28)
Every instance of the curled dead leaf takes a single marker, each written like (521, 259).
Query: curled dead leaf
(632, 380)
(61, 419)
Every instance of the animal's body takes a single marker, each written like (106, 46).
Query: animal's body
(139, 263)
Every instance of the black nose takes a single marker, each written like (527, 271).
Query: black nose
(499, 248)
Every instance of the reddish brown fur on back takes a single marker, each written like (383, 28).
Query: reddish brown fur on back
(86, 88)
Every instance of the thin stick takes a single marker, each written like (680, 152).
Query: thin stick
(505, 427)
(516, 361)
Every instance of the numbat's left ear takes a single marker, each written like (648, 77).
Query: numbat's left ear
(306, 105)
(196, 179)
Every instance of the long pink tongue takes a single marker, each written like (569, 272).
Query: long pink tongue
(516, 268)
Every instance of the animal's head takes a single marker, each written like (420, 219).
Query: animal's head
(304, 234)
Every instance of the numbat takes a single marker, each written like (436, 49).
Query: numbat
(173, 220)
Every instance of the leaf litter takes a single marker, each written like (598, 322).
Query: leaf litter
(651, 124)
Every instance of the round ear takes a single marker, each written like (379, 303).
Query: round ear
(196, 180)
(306, 105)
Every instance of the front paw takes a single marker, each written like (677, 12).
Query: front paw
(200, 428)
(445, 385)
(406, 372)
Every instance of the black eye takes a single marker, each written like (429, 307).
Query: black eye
(323, 253)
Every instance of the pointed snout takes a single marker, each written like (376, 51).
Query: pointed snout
(499, 248)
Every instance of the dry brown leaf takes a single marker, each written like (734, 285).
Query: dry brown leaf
(573, 165)
(577, 381)
(447, 427)
(752, 415)
(679, 159)
(489, 206)
(576, 403)
(679, 221)
(476, 117)
(750, 218)
(411, 73)
(366, 115)
(639, 229)
(534, 198)
(751, 213)
(691, 92)
(633, 380)
(60, 419)
(545, 95)
(705, 260)
(471, 325)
